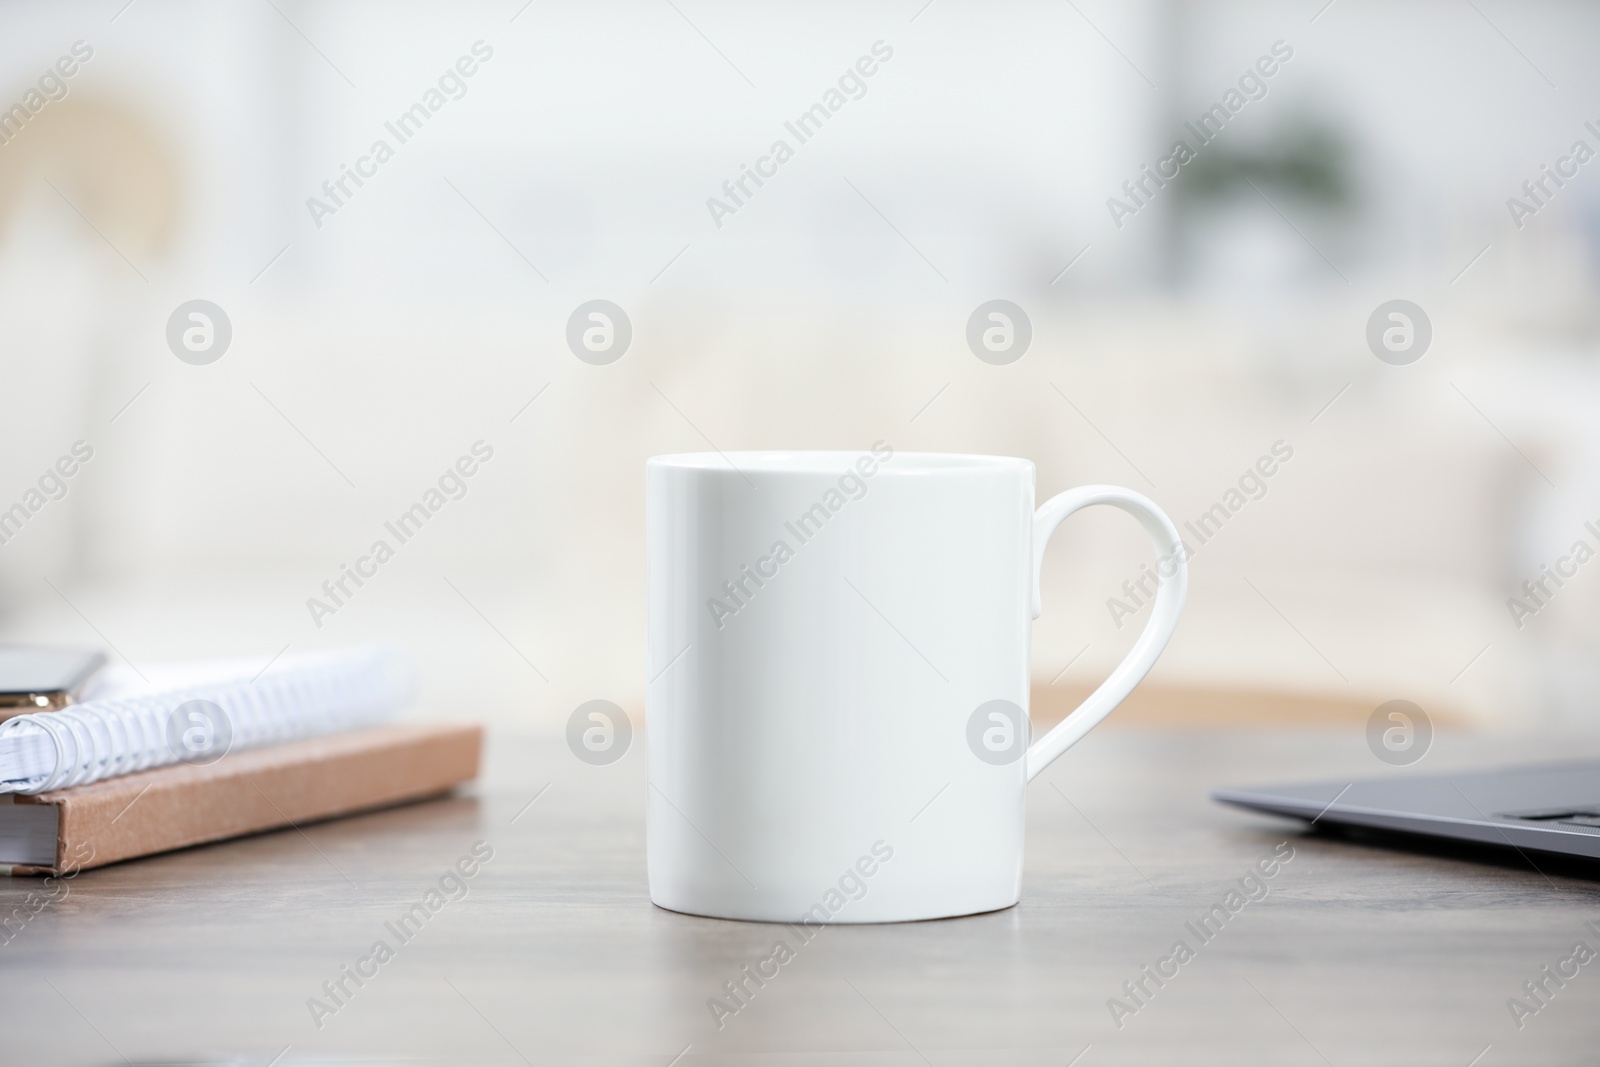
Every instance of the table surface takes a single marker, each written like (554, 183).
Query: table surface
(1360, 954)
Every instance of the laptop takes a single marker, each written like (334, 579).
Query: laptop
(1550, 808)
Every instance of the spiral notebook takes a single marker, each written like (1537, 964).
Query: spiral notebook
(182, 754)
(196, 713)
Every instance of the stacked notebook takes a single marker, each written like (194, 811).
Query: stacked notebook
(196, 753)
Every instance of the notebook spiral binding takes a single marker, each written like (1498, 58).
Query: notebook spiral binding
(108, 738)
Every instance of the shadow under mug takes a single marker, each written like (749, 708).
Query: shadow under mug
(838, 691)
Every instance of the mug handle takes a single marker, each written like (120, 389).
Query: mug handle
(1170, 595)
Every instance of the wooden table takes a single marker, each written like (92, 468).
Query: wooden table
(1359, 954)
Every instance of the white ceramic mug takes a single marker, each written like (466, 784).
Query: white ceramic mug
(838, 678)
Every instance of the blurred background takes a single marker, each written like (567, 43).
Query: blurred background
(378, 331)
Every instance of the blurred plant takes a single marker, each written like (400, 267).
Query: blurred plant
(1307, 158)
(1304, 166)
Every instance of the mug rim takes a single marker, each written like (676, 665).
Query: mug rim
(833, 461)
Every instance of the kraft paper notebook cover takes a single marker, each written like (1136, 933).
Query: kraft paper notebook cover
(243, 793)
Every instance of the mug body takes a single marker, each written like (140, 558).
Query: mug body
(835, 639)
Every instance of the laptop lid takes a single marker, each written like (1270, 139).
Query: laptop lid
(1549, 808)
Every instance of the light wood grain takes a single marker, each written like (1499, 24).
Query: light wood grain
(1359, 954)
